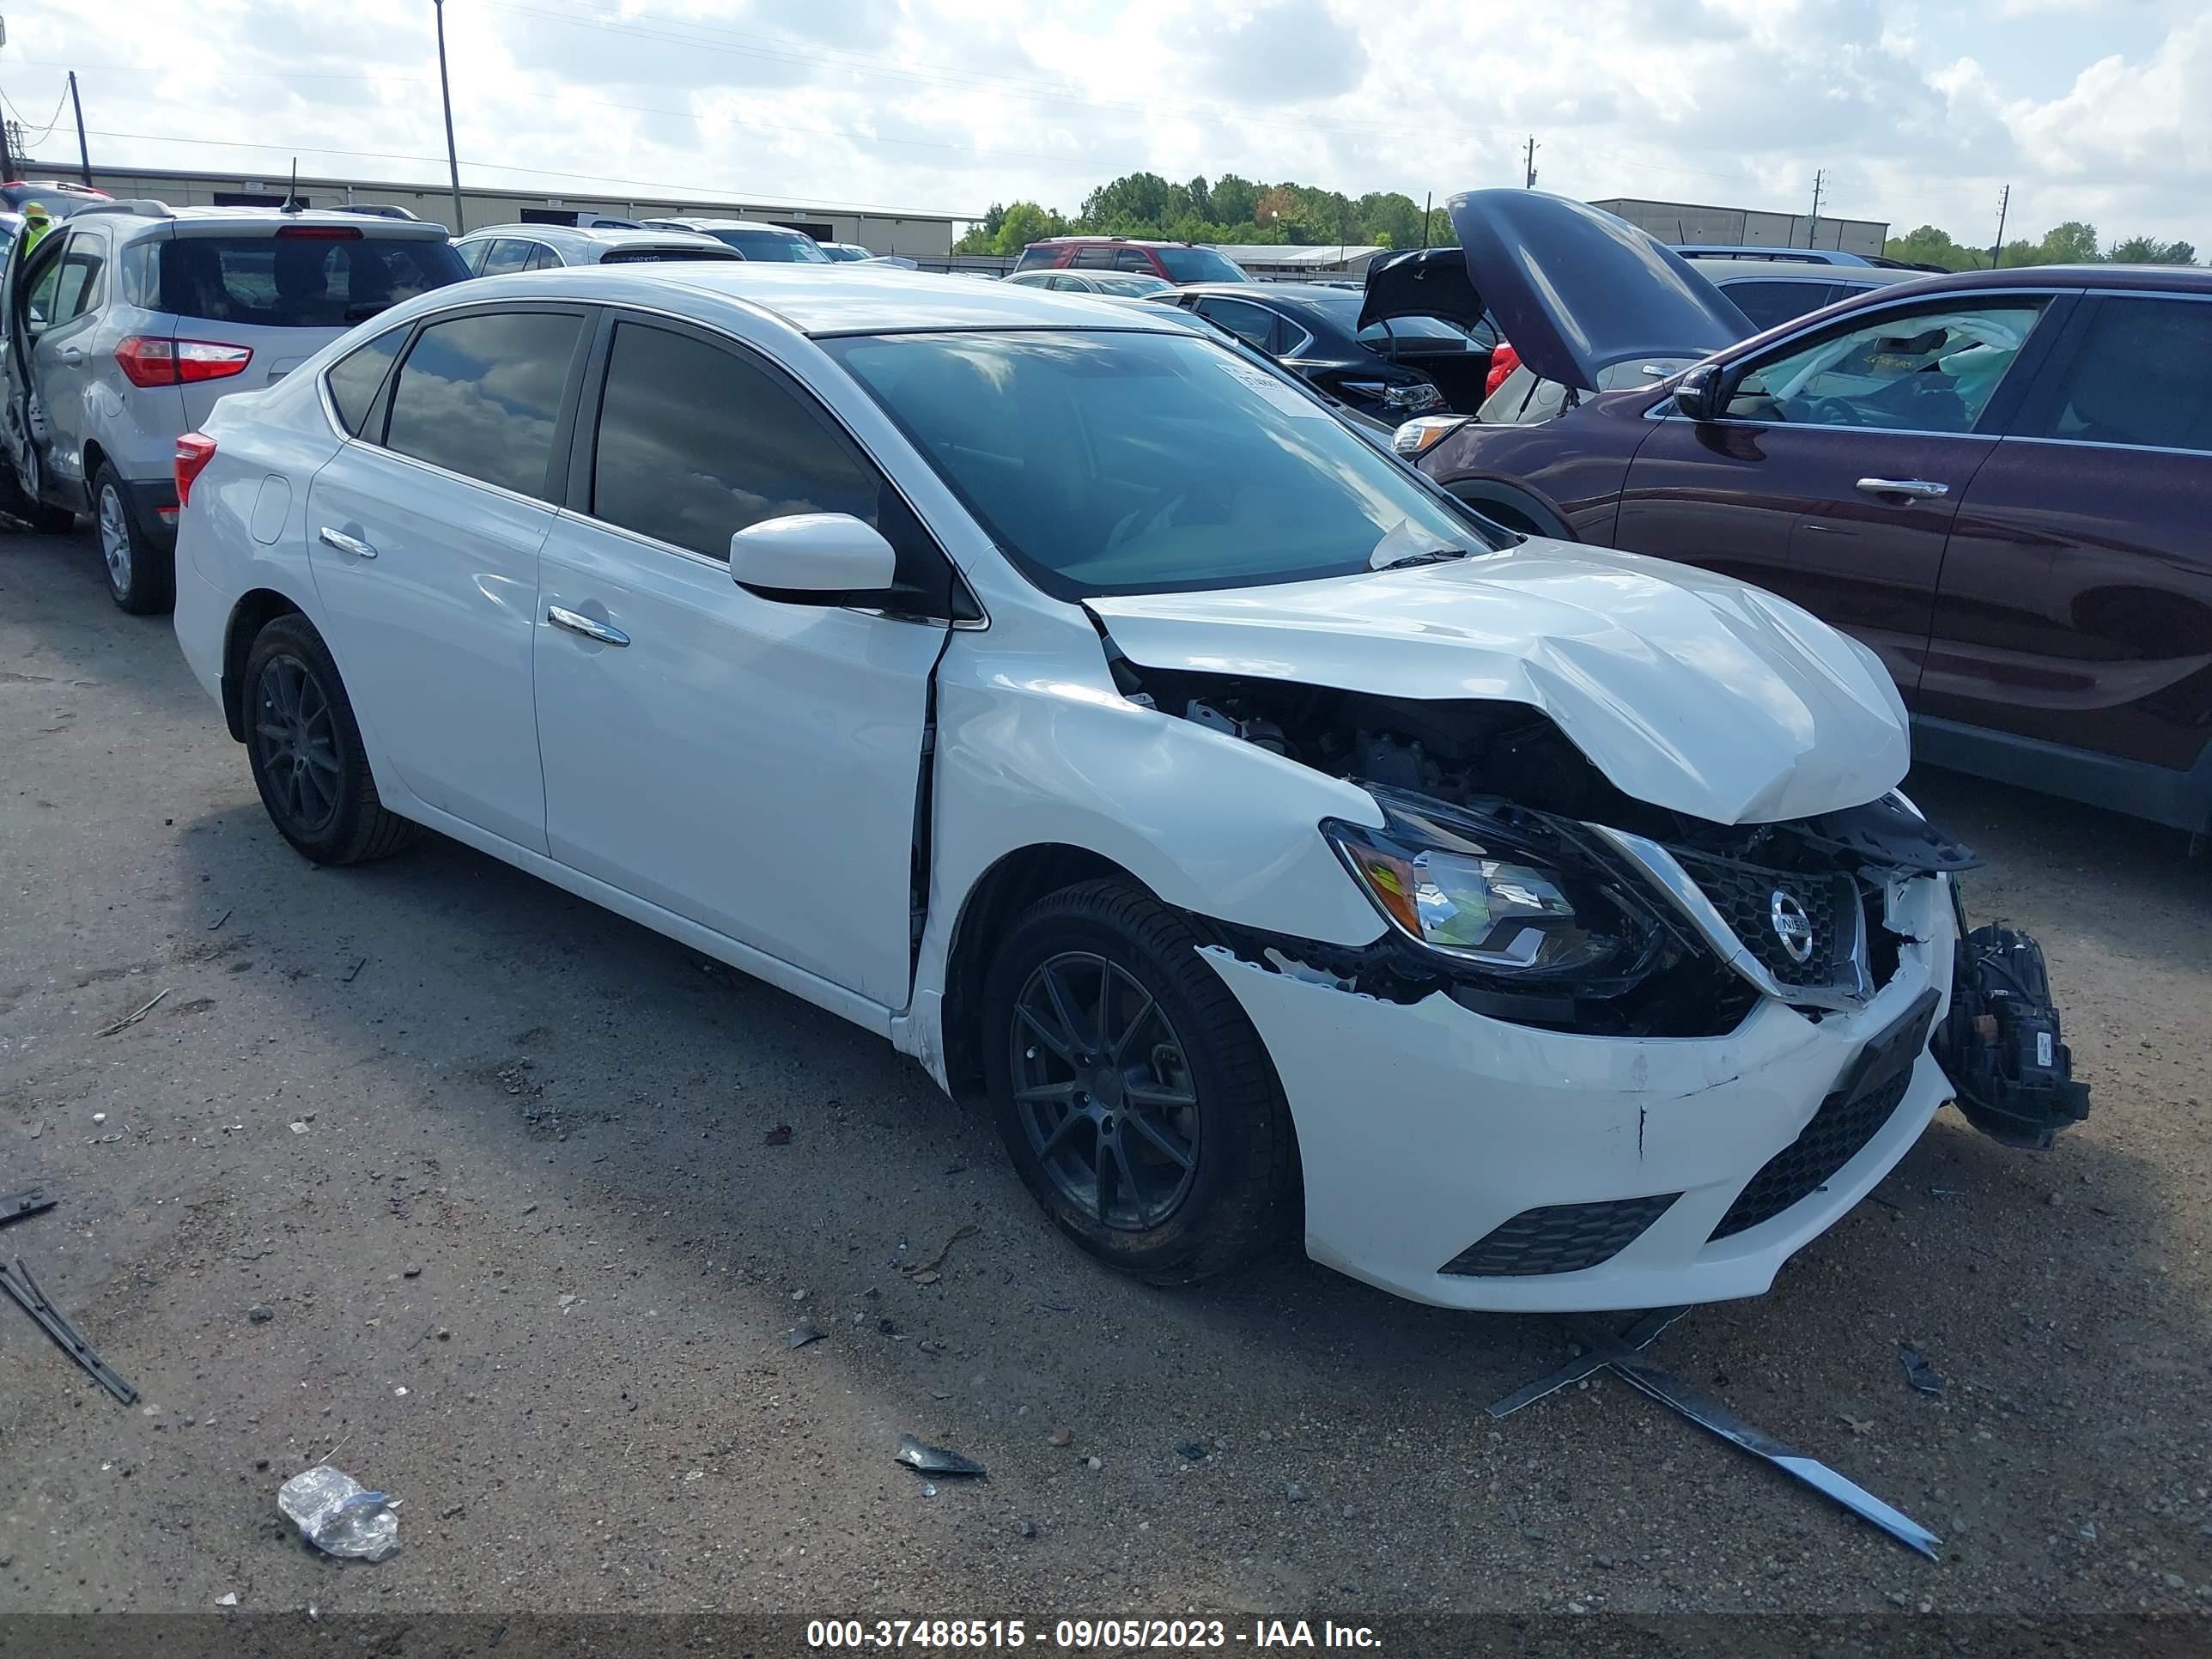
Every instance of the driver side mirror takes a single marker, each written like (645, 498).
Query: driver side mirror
(812, 558)
(1697, 394)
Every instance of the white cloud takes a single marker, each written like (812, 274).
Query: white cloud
(1915, 114)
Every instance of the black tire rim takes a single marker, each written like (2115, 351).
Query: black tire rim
(296, 739)
(1104, 1091)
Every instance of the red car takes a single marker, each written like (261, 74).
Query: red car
(1999, 481)
(1174, 262)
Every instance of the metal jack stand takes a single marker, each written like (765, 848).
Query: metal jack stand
(1623, 1355)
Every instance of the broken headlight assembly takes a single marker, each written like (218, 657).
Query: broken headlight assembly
(1508, 897)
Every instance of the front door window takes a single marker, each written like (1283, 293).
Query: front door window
(1926, 371)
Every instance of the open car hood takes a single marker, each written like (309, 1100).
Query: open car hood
(1574, 289)
(1689, 690)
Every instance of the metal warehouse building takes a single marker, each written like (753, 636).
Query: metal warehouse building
(921, 235)
(1686, 222)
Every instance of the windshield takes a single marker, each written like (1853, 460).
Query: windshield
(843, 252)
(1199, 264)
(1126, 282)
(1129, 463)
(786, 246)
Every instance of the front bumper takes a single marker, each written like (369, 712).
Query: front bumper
(1425, 1128)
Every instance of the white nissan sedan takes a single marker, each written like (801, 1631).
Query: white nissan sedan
(1081, 706)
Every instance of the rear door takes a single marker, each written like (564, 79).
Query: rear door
(2076, 602)
(424, 537)
(285, 291)
(1837, 465)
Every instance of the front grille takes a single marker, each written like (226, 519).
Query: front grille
(1837, 1132)
(1744, 894)
(1558, 1238)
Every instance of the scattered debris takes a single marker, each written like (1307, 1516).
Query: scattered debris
(1191, 1452)
(412, 1270)
(1600, 1350)
(1857, 1425)
(298, 1127)
(799, 1335)
(1062, 1436)
(1026, 1527)
(101, 1140)
(30, 1201)
(99, 1117)
(335, 1514)
(259, 1315)
(779, 1136)
(1295, 1494)
(887, 1326)
(1917, 1372)
(1947, 1192)
(134, 1017)
(354, 970)
(1093, 1464)
(935, 1460)
(915, 1270)
(28, 1296)
(220, 920)
(227, 1599)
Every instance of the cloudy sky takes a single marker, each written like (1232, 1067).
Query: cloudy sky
(2093, 109)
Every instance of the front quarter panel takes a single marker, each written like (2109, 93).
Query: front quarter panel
(1573, 465)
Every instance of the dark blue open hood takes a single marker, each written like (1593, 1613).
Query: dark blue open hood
(1575, 289)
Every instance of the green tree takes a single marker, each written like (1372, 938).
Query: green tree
(1233, 201)
(2150, 251)
(1011, 228)
(1928, 245)
(2020, 253)
(2073, 243)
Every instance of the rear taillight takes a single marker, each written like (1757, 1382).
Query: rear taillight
(1503, 360)
(194, 451)
(146, 361)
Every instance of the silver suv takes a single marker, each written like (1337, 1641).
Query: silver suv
(130, 320)
(502, 250)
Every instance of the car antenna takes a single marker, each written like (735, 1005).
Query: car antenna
(292, 192)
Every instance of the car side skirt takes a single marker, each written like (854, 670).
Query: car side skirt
(2180, 798)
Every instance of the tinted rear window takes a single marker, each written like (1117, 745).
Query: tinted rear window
(1199, 264)
(268, 280)
(479, 395)
(786, 246)
(1769, 304)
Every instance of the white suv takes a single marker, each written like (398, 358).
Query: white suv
(1074, 701)
(130, 320)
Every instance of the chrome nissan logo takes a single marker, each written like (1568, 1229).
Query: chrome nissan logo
(1791, 925)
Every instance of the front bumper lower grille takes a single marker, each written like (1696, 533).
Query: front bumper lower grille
(1558, 1238)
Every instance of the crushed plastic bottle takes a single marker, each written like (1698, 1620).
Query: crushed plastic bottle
(335, 1514)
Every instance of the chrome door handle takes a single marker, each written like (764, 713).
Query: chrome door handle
(345, 544)
(72, 355)
(590, 627)
(1919, 489)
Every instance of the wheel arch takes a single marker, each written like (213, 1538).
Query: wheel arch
(1514, 506)
(255, 610)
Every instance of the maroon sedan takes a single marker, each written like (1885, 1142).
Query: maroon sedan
(2001, 480)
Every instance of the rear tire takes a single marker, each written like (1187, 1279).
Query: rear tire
(307, 754)
(142, 576)
(17, 503)
(1110, 1045)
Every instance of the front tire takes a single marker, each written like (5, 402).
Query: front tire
(307, 754)
(1131, 1091)
(142, 577)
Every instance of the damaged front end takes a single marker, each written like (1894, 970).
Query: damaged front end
(1515, 878)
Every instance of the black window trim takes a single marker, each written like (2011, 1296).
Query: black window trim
(563, 422)
(582, 438)
(380, 401)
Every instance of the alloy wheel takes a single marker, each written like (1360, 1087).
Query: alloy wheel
(115, 538)
(294, 739)
(1104, 1091)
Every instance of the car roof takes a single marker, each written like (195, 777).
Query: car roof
(1803, 256)
(817, 299)
(1725, 271)
(136, 213)
(2172, 279)
(589, 235)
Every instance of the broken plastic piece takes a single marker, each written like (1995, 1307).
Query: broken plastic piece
(1919, 1372)
(337, 1516)
(2000, 1042)
(934, 1460)
(799, 1335)
(28, 1296)
(30, 1201)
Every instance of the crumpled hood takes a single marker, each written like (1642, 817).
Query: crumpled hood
(1688, 690)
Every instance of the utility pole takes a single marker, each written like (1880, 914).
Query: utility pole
(83, 155)
(7, 157)
(446, 91)
(2004, 202)
(1529, 182)
(1428, 206)
(1813, 230)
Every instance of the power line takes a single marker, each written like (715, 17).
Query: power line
(22, 122)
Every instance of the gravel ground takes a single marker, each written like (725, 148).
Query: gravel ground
(491, 1191)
